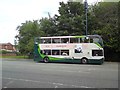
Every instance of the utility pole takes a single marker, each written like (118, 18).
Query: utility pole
(15, 44)
(86, 9)
(49, 16)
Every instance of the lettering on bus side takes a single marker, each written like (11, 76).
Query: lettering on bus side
(61, 46)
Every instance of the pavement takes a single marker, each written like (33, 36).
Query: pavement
(24, 73)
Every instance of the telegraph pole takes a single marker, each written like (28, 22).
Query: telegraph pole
(86, 9)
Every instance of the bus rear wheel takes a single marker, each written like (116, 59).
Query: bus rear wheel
(45, 59)
(84, 60)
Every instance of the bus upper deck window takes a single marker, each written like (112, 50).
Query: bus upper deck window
(81, 40)
(41, 41)
(64, 40)
(47, 41)
(56, 40)
(86, 40)
(74, 40)
(37, 41)
(91, 40)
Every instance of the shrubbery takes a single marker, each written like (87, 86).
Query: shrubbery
(4, 52)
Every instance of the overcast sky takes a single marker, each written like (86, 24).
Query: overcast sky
(15, 12)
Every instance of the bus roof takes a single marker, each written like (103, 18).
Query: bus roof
(70, 36)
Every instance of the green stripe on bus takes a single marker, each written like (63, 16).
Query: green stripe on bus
(80, 36)
(54, 58)
(40, 53)
(98, 44)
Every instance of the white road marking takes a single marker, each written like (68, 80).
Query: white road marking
(4, 87)
(10, 82)
(81, 86)
(90, 69)
(82, 71)
(53, 83)
(58, 83)
(56, 86)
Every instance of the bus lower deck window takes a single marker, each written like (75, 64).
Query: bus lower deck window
(45, 52)
(55, 52)
(65, 52)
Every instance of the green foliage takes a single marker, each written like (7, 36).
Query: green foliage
(118, 38)
(4, 52)
(106, 16)
(17, 57)
(71, 19)
(27, 32)
(48, 26)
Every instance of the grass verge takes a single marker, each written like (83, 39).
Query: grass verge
(18, 57)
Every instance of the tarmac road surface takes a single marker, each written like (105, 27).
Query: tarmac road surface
(24, 73)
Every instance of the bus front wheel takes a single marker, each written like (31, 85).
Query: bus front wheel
(84, 61)
(45, 59)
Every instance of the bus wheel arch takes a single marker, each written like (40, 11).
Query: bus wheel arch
(45, 59)
(84, 60)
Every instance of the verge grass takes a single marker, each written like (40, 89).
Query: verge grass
(18, 57)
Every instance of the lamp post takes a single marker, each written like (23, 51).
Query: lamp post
(86, 8)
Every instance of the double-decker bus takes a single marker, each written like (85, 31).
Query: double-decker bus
(74, 49)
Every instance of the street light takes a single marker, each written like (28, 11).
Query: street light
(86, 8)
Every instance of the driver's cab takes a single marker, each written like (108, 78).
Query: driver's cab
(95, 39)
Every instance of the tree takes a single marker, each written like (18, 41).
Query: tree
(27, 32)
(71, 19)
(118, 38)
(48, 26)
(31, 29)
(106, 17)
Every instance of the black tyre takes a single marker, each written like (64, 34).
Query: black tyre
(84, 61)
(45, 59)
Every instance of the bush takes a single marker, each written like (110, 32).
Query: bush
(4, 52)
(111, 55)
(18, 53)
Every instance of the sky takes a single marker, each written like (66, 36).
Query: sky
(15, 12)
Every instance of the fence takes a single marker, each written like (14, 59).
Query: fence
(8, 54)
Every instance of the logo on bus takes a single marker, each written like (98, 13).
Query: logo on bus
(78, 49)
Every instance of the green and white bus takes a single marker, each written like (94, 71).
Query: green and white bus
(74, 49)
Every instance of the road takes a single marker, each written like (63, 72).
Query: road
(29, 74)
